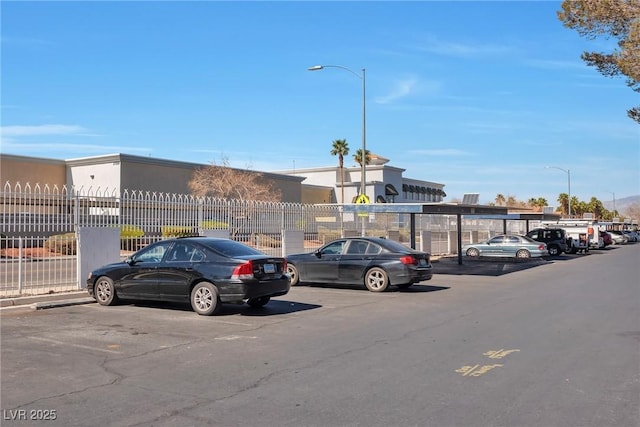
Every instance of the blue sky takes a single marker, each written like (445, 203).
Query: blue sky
(479, 96)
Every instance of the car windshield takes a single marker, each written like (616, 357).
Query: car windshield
(231, 248)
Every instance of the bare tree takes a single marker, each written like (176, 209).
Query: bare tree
(226, 182)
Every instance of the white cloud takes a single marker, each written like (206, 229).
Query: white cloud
(400, 90)
(407, 87)
(75, 148)
(41, 130)
(441, 152)
(552, 64)
(434, 45)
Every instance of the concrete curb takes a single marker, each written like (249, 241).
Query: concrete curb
(39, 302)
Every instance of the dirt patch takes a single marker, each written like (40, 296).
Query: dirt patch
(28, 253)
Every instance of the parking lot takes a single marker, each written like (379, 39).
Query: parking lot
(488, 343)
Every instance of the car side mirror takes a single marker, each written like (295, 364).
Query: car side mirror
(129, 260)
(318, 254)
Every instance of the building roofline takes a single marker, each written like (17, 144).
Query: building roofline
(32, 159)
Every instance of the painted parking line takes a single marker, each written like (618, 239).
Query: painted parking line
(67, 344)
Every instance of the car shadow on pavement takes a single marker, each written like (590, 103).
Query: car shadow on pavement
(361, 288)
(419, 288)
(485, 266)
(273, 308)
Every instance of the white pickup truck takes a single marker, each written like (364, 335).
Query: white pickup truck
(583, 235)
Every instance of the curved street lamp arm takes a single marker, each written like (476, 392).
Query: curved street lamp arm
(320, 67)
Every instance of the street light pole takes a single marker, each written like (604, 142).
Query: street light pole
(568, 172)
(614, 201)
(364, 119)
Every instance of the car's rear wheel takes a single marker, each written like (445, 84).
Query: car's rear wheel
(258, 302)
(204, 299)
(293, 273)
(376, 280)
(523, 253)
(105, 291)
(473, 252)
(554, 250)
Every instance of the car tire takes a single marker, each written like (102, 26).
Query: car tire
(554, 250)
(105, 292)
(258, 302)
(293, 273)
(523, 253)
(473, 252)
(204, 299)
(376, 279)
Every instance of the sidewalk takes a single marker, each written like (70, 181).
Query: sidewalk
(39, 302)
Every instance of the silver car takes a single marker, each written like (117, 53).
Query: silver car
(508, 245)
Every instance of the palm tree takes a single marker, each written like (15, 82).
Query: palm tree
(500, 199)
(563, 199)
(358, 158)
(340, 148)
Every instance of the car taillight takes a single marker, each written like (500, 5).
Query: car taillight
(408, 259)
(542, 247)
(243, 271)
(284, 265)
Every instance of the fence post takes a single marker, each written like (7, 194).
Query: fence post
(20, 265)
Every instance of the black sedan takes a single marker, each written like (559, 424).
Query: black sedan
(373, 261)
(200, 270)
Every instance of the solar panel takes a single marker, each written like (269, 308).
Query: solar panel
(470, 199)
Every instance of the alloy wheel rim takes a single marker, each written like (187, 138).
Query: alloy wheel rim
(375, 280)
(203, 299)
(104, 291)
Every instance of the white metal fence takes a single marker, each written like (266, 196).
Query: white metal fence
(38, 225)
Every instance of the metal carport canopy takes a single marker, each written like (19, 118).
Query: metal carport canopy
(432, 209)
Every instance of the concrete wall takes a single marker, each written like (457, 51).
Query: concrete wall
(97, 246)
(98, 177)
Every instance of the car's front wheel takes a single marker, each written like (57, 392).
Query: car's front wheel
(258, 302)
(105, 291)
(376, 280)
(204, 299)
(292, 271)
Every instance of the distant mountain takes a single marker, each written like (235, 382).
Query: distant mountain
(622, 204)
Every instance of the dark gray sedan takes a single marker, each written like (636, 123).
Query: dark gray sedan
(372, 261)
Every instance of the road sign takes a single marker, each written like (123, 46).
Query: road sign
(362, 199)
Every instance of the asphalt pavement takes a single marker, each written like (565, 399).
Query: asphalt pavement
(486, 266)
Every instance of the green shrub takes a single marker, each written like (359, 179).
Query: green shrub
(64, 244)
(267, 241)
(214, 225)
(129, 237)
(130, 231)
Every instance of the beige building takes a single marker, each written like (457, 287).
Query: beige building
(118, 172)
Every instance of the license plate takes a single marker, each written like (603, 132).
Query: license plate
(269, 268)
(423, 261)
